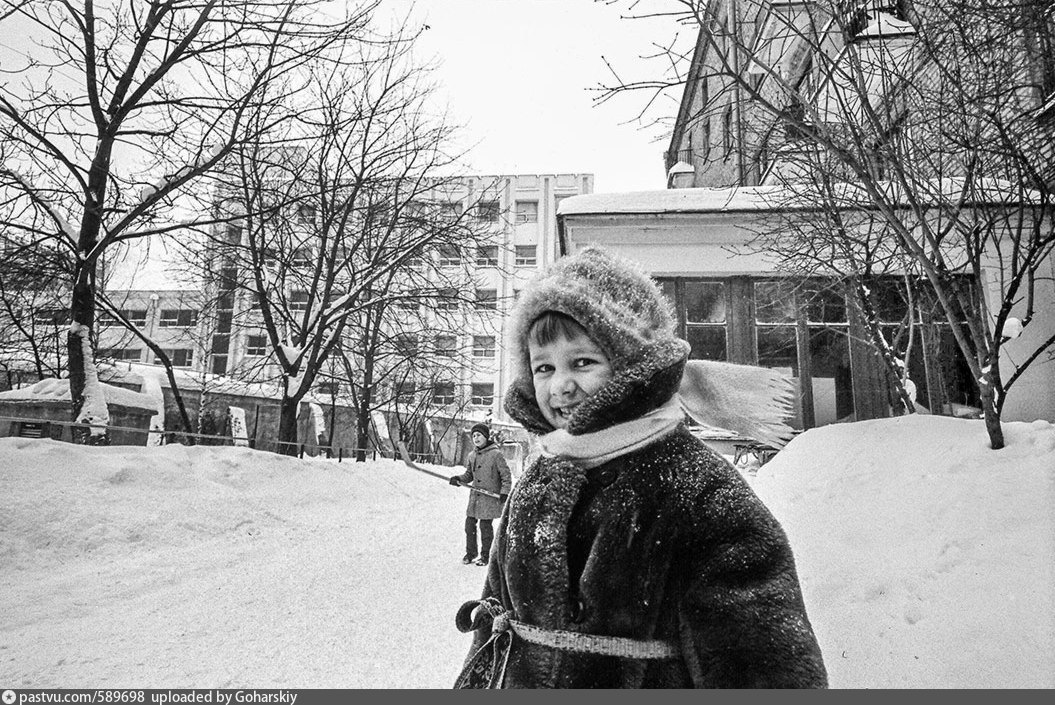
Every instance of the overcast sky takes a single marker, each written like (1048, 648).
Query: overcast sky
(518, 74)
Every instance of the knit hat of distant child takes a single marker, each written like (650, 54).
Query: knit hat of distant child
(626, 314)
(482, 429)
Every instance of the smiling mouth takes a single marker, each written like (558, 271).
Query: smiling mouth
(565, 412)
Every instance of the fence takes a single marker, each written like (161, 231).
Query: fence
(26, 427)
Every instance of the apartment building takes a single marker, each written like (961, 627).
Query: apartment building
(216, 330)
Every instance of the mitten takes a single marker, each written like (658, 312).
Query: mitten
(502, 498)
(455, 481)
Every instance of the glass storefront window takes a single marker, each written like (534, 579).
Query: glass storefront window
(774, 302)
(708, 342)
(704, 302)
(825, 304)
(777, 347)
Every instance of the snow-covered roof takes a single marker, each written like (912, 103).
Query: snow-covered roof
(681, 200)
(781, 197)
(52, 389)
(883, 25)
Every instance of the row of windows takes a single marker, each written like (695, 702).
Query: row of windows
(484, 211)
(180, 357)
(169, 318)
(487, 211)
(487, 256)
(484, 346)
(445, 393)
(439, 394)
(447, 300)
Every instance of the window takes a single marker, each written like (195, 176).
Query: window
(483, 346)
(130, 354)
(302, 258)
(486, 299)
(487, 256)
(443, 393)
(405, 392)
(447, 300)
(526, 255)
(527, 212)
(776, 339)
(306, 213)
(234, 233)
(483, 394)
(417, 209)
(487, 211)
(256, 345)
(450, 211)
(135, 316)
(407, 301)
(449, 256)
(406, 344)
(51, 316)
(446, 345)
(329, 388)
(178, 318)
(299, 301)
(704, 305)
(181, 357)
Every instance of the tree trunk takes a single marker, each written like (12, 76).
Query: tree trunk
(990, 409)
(82, 311)
(362, 426)
(287, 426)
(82, 306)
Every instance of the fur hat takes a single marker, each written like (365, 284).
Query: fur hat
(625, 313)
(482, 429)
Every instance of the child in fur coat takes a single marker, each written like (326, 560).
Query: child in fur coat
(630, 555)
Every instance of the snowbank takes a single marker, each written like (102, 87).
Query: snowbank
(926, 559)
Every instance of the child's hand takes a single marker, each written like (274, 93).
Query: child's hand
(455, 481)
(502, 498)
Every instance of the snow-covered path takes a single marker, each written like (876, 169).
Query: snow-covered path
(265, 581)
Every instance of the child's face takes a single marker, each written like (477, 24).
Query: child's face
(566, 372)
(479, 440)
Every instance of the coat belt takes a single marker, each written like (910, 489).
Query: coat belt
(622, 647)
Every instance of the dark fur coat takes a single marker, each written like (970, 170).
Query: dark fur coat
(666, 543)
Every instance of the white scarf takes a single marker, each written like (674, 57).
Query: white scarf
(589, 450)
(748, 400)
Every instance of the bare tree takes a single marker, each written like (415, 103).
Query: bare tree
(122, 108)
(928, 118)
(324, 211)
(406, 354)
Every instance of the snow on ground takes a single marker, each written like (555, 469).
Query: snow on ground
(226, 567)
(926, 561)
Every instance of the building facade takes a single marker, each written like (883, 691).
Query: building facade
(732, 164)
(216, 330)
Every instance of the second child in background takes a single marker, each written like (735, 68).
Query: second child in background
(486, 469)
